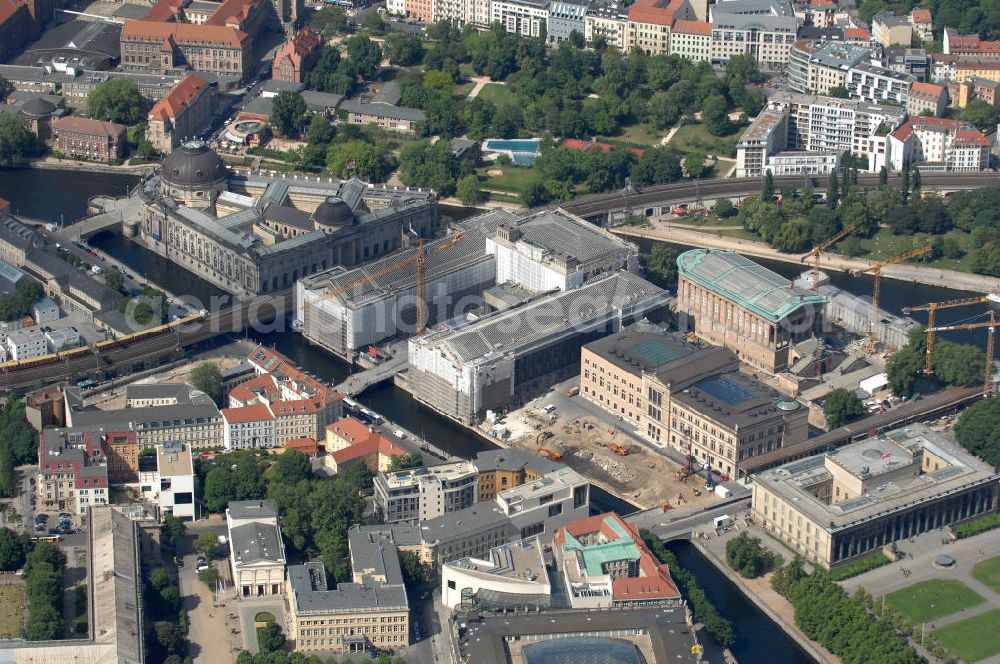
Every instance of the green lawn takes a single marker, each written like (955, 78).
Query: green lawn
(974, 638)
(933, 599)
(513, 179)
(640, 134)
(694, 137)
(498, 94)
(988, 573)
(884, 245)
(11, 611)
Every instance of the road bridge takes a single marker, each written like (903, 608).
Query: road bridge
(676, 524)
(657, 199)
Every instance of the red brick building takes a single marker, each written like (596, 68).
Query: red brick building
(21, 21)
(297, 56)
(185, 112)
(93, 140)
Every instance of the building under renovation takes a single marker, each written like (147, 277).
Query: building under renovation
(344, 310)
(508, 357)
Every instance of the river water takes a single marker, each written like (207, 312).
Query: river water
(48, 194)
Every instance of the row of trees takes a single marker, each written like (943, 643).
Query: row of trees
(17, 143)
(843, 624)
(702, 609)
(748, 557)
(43, 573)
(977, 429)
(168, 624)
(954, 365)
(18, 443)
(316, 514)
(281, 657)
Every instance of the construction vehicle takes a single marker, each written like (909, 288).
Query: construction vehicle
(620, 450)
(549, 454)
(815, 252)
(991, 327)
(931, 309)
(876, 270)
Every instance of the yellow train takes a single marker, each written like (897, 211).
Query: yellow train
(83, 351)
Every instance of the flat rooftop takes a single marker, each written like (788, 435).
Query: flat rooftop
(793, 480)
(564, 478)
(562, 234)
(517, 560)
(443, 472)
(762, 126)
(641, 347)
(174, 459)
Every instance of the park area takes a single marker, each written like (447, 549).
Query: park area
(936, 598)
(11, 611)
(988, 573)
(974, 638)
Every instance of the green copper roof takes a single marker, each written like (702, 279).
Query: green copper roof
(753, 286)
(595, 555)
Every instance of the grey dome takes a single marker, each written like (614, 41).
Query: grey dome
(333, 213)
(38, 108)
(193, 165)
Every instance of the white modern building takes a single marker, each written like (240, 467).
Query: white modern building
(803, 163)
(521, 17)
(554, 249)
(27, 344)
(419, 494)
(940, 144)
(875, 84)
(509, 575)
(44, 311)
(169, 481)
(765, 29)
(817, 67)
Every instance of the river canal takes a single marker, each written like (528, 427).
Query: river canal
(47, 194)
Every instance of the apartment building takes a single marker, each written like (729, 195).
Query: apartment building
(419, 494)
(817, 67)
(92, 140)
(506, 469)
(649, 23)
(836, 507)
(891, 30)
(691, 40)
(940, 144)
(923, 24)
(927, 99)
(735, 303)
(766, 135)
(72, 470)
(566, 17)
(913, 61)
(972, 46)
(371, 611)
(183, 114)
(521, 17)
(764, 29)
(297, 56)
(26, 344)
(608, 22)
(979, 88)
(257, 553)
(462, 12)
(122, 451)
(875, 84)
(248, 428)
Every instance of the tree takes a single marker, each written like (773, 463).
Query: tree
(713, 115)
(330, 21)
(6, 87)
(17, 143)
(842, 406)
(980, 113)
(977, 428)
(661, 263)
(362, 159)
(206, 543)
(423, 164)
(270, 638)
(695, 164)
(833, 191)
(288, 113)
(114, 279)
(13, 550)
(793, 235)
(467, 190)
(405, 461)
(724, 208)
(403, 50)
(365, 55)
(173, 529)
(207, 378)
(740, 70)
(290, 467)
(414, 573)
(869, 8)
(768, 192)
(210, 577)
(439, 82)
(116, 100)
(748, 558)
(373, 23)
(656, 166)
(320, 133)
(883, 177)
(838, 91)
(170, 639)
(958, 364)
(663, 111)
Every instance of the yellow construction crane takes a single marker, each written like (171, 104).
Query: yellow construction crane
(931, 308)
(819, 248)
(876, 270)
(991, 325)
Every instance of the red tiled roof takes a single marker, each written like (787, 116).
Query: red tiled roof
(88, 126)
(231, 12)
(655, 12)
(377, 444)
(684, 26)
(244, 414)
(926, 90)
(183, 33)
(304, 42)
(859, 34)
(164, 10)
(296, 407)
(8, 8)
(920, 16)
(972, 137)
(180, 96)
(350, 429)
(584, 146)
(304, 445)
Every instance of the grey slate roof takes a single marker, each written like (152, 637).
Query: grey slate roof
(309, 593)
(256, 542)
(320, 102)
(253, 509)
(383, 110)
